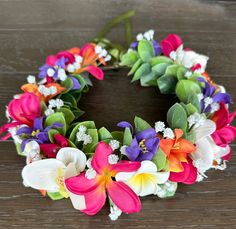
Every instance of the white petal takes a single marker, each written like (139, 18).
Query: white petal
(148, 189)
(124, 176)
(147, 167)
(42, 174)
(69, 154)
(205, 130)
(162, 177)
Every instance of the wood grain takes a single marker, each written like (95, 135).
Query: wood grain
(30, 30)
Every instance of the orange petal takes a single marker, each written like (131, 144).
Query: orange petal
(175, 164)
(43, 192)
(186, 146)
(74, 50)
(178, 133)
(166, 145)
(59, 88)
(33, 88)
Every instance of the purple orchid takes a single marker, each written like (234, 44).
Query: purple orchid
(44, 70)
(144, 144)
(156, 46)
(211, 97)
(37, 133)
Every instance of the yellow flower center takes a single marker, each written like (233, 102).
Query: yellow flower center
(143, 146)
(35, 132)
(60, 182)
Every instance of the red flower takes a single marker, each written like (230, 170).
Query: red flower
(171, 43)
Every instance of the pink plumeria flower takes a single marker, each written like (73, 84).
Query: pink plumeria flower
(99, 181)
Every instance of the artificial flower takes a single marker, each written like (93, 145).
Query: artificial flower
(171, 43)
(32, 152)
(224, 133)
(143, 146)
(38, 132)
(98, 182)
(49, 174)
(144, 181)
(206, 149)
(187, 176)
(46, 94)
(50, 150)
(176, 150)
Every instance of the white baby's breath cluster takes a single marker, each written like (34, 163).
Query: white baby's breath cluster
(102, 53)
(115, 212)
(82, 136)
(167, 132)
(53, 103)
(208, 101)
(46, 91)
(196, 120)
(148, 35)
(76, 65)
(31, 79)
(163, 190)
(114, 144)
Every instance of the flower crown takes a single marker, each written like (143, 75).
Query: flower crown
(67, 158)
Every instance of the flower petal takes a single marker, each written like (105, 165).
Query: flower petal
(69, 154)
(125, 166)
(100, 157)
(206, 129)
(96, 72)
(42, 174)
(123, 197)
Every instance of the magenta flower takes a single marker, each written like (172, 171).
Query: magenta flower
(99, 182)
(171, 43)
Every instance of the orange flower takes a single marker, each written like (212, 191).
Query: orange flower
(33, 88)
(177, 150)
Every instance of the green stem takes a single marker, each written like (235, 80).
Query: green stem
(128, 32)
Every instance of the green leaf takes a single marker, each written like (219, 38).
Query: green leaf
(149, 80)
(167, 191)
(55, 195)
(146, 50)
(88, 124)
(192, 98)
(129, 58)
(142, 71)
(184, 88)
(160, 69)
(127, 137)
(68, 114)
(18, 149)
(57, 117)
(189, 108)
(69, 99)
(68, 84)
(167, 84)
(160, 60)
(181, 72)
(172, 70)
(140, 124)
(51, 134)
(160, 160)
(103, 134)
(190, 136)
(177, 117)
(118, 135)
(135, 67)
(94, 135)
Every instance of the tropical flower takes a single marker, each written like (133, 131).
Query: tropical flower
(98, 181)
(224, 133)
(144, 181)
(37, 133)
(148, 35)
(176, 150)
(143, 146)
(49, 174)
(50, 150)
(207, 152)
(211, 97)
(188, 175)
(171, 43)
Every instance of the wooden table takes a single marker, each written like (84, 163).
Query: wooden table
(31, 30)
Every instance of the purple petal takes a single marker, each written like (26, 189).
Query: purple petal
(145, 156)
(125, 124)
(222, 97)
(61, 62)
(157, 48)
(24, 130)
(38, 123)
(134, 45)
(76, 84)
(43, 137)
(145, 134)
(152, 145)
(133, 151)
(55, 125)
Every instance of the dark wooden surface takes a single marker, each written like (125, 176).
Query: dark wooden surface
(30, 30)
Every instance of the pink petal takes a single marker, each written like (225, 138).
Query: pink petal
(123, 197)
(226, 135)
(100, 157)
(221, 117)
(96, 72)
(69, 56)
(175, 40)
(125, 166)
(95, 196)
(231, 116)
(49, 150)
(61, 140)
(51, 60)
(167, 47)
(80, 185)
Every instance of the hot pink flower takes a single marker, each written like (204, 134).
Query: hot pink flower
(96, 188)
(188, 176)
(225, 133)
(52, 59)
(171, 43)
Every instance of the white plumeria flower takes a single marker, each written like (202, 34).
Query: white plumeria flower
(31, 79)
(159, 126)
(144, 181)
(189, 58)
(206, 149)
(49, 174)
(114, 144)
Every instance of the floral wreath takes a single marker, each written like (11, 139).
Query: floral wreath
(66, 158)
